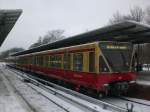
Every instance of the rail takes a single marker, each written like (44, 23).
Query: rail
(103, 104)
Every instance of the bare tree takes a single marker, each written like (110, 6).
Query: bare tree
(51, 36)
(7, 53)
(147, 17)
(117, 17)
(136, 14)
(36, 44)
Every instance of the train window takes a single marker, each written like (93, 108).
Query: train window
(41, 60)
(46, 61)
(67, 61)
(78, 62)
(29, 60)
(49, 61)
(91, 62)
(118, 55)
(34, 60)
(55, 61)
(102, 65)
(58, 61)
(37, 60)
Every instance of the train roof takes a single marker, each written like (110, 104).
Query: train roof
(8, 19)
(127, 31)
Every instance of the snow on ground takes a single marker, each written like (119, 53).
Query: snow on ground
(41, 104)
(10, 102)
(96, 107)
(143, 82)
(38, 102)
(143, 76)
(139, 100)
(65, 104)
(8, 99)
(122, 103)
(79, 100)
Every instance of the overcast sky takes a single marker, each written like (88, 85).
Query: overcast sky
(73, 16)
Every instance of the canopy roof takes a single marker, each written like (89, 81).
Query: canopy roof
(8, 19)
(127, 31)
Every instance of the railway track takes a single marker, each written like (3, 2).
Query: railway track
(30, 105)
(109, 101)
(102, 104)
(19, 95)
(134, 101)
(128, 102)
(80, 104)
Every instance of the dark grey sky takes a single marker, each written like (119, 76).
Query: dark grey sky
(73, 16)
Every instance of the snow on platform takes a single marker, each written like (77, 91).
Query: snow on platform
(8, 99)
(143, 82)
(37, 101)
(143, 78)
(137, 107)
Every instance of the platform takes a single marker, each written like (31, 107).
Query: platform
(16, 96)
(9, 102)
(143, 78)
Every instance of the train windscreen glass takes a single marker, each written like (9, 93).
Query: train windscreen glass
(118, 55)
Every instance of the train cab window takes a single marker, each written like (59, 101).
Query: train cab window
(78, 62)
(102, 65)
(91, 62)
(67, 61)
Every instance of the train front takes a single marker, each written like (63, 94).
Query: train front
(116, 66)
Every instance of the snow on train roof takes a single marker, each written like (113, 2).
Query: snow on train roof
(127, 31)
(8, 19)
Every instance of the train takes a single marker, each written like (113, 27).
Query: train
(101, 67)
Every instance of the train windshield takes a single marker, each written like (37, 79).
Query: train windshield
(118, 55)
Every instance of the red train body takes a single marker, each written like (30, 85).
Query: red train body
(86, 66)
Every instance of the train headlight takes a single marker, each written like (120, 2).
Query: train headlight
(106, 85)
(131, 82)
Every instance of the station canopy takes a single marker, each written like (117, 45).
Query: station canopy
(8, 19)
(127, 31)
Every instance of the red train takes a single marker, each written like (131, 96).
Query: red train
(99, 67)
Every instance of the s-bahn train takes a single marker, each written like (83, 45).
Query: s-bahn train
(100, 67)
